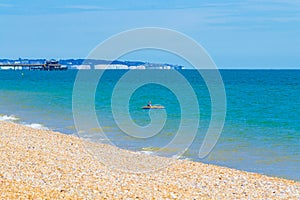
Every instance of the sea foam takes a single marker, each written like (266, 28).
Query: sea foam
(37, 126)
(12, 118)
(9, 118)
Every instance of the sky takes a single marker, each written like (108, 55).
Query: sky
(250, 34)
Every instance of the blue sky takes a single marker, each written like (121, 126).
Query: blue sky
(237, 34)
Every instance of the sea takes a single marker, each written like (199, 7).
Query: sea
(261, 132)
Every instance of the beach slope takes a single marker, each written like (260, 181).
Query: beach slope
(49, 165)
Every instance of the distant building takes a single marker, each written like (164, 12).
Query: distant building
(137, 67)
(113, 66)
(121, 66)
(63, 64)
(132, 67)
(80, 67)
(101, 66)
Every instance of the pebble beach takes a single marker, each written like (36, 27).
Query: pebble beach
(41, 164)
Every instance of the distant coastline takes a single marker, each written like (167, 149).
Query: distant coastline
(90, 64)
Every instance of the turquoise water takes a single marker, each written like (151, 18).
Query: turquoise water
(261, 132)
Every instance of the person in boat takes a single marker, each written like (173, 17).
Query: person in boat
(149, 104)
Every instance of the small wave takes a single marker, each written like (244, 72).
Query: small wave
(9, 118)
(176, 156)
(12, 118)
(146, 152)
(37, 126)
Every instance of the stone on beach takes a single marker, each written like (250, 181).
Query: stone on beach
(49, 165)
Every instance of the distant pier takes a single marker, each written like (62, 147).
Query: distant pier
(48, 66)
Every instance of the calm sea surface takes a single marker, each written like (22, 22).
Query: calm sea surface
(261, 132)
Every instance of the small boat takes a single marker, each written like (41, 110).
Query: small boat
(153, 107)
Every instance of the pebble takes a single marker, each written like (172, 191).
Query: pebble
(40, 164)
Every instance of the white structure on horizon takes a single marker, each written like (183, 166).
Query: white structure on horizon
(113, 66)
(8, 68)
(81, 67)
(137, 67)
(120, 66)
